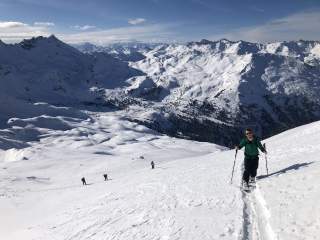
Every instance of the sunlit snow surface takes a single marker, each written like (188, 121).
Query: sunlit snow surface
(187, 196)
(42, 197)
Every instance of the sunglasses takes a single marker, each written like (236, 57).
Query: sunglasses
(249, 133)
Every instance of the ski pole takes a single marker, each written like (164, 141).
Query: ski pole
(265, 156)
(234, 163)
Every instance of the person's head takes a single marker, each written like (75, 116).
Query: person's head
(249, 133)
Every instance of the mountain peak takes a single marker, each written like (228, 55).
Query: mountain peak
(30, 43)
(205, 41)
(224, 40)
(52, 40)
(53, 37)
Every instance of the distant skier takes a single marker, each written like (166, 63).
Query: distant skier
(83, 180)
(152, 165)
(251, 145)
(105, 177)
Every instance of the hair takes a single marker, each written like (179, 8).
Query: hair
(249, 130)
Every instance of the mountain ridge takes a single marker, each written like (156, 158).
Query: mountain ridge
(206, 90)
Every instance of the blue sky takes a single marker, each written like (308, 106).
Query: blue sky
(105, 21)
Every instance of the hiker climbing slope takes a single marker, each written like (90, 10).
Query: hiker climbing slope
(83, 180)
(251, 146)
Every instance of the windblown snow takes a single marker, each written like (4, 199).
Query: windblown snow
(187, 196)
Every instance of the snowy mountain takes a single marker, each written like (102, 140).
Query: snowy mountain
(46, 69)
(50, 71)
(187, 196)
(45, 82)
(207, 91)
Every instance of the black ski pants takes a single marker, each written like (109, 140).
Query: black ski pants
(251, 164)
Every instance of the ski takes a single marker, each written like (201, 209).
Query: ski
(246, 189)
(250, 187)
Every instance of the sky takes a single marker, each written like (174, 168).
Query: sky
(108, 21)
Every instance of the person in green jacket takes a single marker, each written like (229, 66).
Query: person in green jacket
(251, 146)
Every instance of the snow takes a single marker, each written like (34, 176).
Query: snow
(291, 191)
(230, 75)
(43, 196)
(316, 51)
(187, 196)
(52, 135)
(48, 70)
(284, 204)
(163, 85)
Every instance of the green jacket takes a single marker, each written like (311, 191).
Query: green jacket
(251, 147)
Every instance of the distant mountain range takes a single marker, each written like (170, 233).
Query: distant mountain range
(127, 51)
(207, 90)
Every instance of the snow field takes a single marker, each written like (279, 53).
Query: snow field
(187, 196)
(291, 191)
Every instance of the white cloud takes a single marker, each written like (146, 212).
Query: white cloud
(6, 25)
(303, 25)
(150, 33)
(16, 31)
(44, 24)
(136, 21)
(84, 27)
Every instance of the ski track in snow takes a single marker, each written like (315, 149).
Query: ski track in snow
(256, 225)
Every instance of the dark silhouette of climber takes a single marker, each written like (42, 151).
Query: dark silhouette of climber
(105, 177)
(83, 180)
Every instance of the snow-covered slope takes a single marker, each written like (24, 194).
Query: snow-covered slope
(307, 51)
(46, 69)
(135, 203)
(187, 195)
(291, 190)
(38, 73)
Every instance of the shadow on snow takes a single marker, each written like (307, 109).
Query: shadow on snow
(292, 167)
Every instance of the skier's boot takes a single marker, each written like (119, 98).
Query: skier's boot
(252, 182)
(245, 186)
